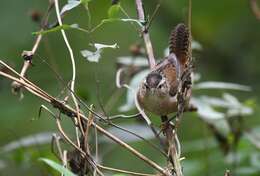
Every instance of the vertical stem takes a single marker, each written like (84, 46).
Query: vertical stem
(72, 86)
(145, 33)
(172, 146)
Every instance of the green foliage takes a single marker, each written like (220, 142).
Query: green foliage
(84, 2)
(57, 167)
(58, 28)
(114, 11)
(228, 56)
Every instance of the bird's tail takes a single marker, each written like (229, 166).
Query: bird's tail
(180, 43)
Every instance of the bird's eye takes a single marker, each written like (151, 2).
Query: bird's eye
(160, 86)
(146, 86)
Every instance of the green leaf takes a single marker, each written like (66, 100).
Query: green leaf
(70, 5)
(57, 167)
(58, 28)
(113, 11)
(114, 20)
(123, 20)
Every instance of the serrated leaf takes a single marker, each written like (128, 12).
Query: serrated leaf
(113, 11)
(58, 167)
(70, 5)
(221, 85)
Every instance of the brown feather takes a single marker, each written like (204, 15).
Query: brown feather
(180, 43)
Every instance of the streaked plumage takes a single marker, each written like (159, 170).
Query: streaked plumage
(157, 92)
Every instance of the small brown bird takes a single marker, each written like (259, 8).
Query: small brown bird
(157, 93)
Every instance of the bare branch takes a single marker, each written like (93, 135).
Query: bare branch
(66, 109)
(73, 69)
(145, 33)
(123, 171)
(28, 55)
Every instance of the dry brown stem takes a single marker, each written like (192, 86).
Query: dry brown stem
(69, 111)
(145, 33)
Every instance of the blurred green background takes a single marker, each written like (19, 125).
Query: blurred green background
(227, 30)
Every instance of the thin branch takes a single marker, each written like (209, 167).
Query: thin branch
(96, 147)
(90, 120)
(145, 33)
(172, 147)
(73, 66)
(65, 160)
(56, 140)
(109, 122)
(69, 110)
(154, 13)
(123, 171)
(28, 55)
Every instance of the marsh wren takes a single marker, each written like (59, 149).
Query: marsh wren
(157, 93)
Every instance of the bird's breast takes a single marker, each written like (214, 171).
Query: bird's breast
(157, 104)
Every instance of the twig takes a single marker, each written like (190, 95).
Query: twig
(68, 110)
(123, 171)
(56, 140)
(28, 55)
(85, 155)
(90, 120)
(82, 153)
(145, 33)
(65, 160)
(172, 147)
(96, 147)
(154, 13)
(73, 67)
(89, 109)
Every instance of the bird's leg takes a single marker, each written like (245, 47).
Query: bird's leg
(157, 136)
